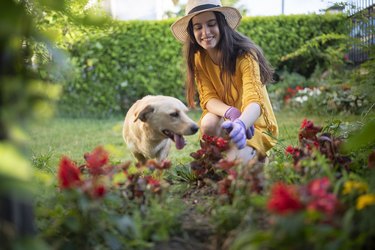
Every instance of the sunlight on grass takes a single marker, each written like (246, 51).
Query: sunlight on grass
(74, 137)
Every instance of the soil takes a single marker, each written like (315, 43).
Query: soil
(198, 231)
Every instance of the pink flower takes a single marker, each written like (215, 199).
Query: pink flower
(283, 199)
(321, 199)
(68, 174)
(326, 204)
(319, 187)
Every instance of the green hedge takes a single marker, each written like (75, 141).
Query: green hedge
(118, 65)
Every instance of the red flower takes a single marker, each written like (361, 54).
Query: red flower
(294, 152)
(221, 143)
(152, 181)
(153, 184)
(68, 174)
(207, 138)
(291, 90)
(99, 191)
(291, 150)
(306, 123)
(298, 88)
(96, 160)
(283, 199)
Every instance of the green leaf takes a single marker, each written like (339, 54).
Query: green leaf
(364, 137)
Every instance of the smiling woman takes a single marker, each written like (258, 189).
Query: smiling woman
(229, 73)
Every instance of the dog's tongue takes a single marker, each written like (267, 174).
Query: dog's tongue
(179, 140)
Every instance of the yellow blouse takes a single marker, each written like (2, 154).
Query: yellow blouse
(250, 89)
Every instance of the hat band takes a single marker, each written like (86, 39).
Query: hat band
(203, 7)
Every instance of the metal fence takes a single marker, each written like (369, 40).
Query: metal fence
(362, 27)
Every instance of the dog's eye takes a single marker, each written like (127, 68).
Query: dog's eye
(174, 114)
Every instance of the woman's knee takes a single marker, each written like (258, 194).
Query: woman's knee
(210, 125)
(208, 129)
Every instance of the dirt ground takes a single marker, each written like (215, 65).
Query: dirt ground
(198, 232)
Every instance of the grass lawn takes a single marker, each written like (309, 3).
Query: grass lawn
(74, 137)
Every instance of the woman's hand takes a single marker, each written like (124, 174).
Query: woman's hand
(238, 132)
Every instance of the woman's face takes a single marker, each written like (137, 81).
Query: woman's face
(206, 30)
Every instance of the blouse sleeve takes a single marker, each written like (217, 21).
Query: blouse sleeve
(251, 82)
(205, 87)
(253, 87)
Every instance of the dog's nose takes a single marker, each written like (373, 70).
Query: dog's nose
(194, 128)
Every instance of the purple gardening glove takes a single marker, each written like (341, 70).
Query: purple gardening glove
(238, 132)
(232, 114)
(250, 132)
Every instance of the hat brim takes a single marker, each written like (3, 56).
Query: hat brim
(179, 27)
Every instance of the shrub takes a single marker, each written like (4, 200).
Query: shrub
(122, 63)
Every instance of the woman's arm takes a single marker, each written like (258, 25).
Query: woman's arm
(217, 107)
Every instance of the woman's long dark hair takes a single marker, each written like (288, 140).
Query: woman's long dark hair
(232, 44)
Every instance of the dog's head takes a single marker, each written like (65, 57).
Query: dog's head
(167, 116)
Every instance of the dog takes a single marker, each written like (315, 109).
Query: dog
(153, 123)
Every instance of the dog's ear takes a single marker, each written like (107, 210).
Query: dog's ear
(143, 115)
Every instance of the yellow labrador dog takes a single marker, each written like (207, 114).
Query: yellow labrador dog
(152, 123)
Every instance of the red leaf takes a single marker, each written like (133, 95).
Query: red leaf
(96, 160)
(68, 174)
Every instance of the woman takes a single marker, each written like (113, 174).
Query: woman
(230, 73)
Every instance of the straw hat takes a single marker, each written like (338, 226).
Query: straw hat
(194, 7)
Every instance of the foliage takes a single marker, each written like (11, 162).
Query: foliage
(107, 206)
(321, 207)
(294, 31)
(24, 97)
(326, 51)
(363, 77)
(117, 65)
(210, 158)
(238, 203)
(334, 91)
